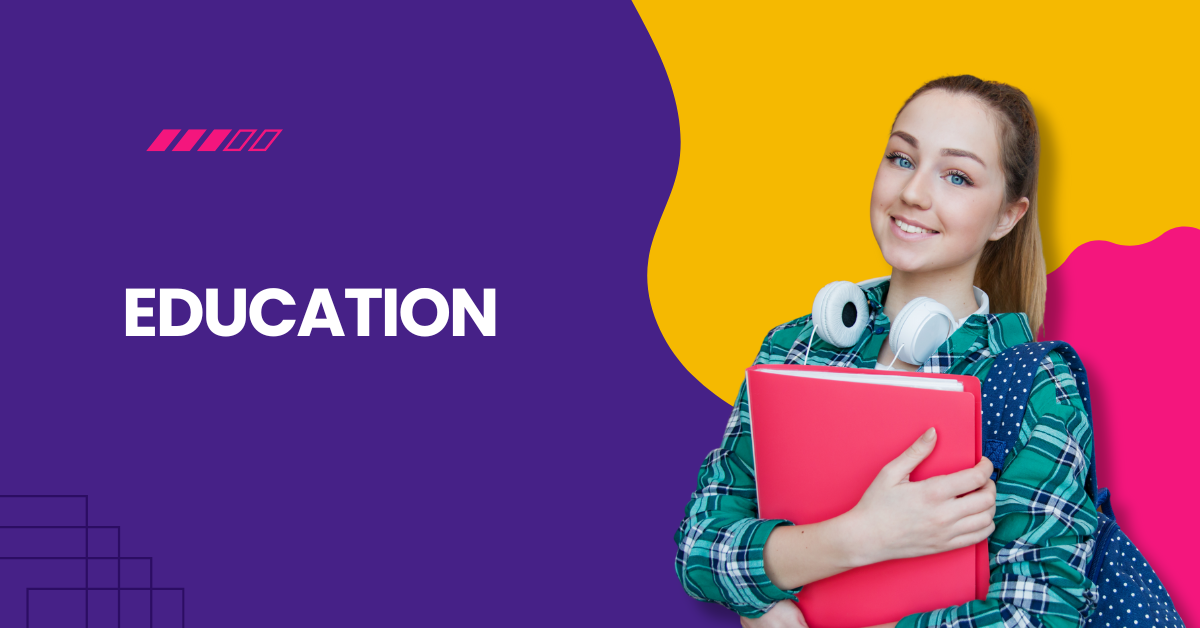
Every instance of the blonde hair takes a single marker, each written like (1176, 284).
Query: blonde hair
(1012, 270)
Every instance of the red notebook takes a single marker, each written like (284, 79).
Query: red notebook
(818, 444)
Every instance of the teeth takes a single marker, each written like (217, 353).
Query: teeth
(904, 226)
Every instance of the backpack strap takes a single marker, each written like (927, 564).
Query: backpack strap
(1006, 393)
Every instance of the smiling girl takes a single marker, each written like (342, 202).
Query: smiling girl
(954, 212)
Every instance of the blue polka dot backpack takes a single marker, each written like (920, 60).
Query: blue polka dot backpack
(1131, 595)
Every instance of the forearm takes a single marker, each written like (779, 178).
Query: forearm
(797, 555)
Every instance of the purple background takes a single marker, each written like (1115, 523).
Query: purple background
(531, 478)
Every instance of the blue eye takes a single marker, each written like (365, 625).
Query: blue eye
(959, 178)
(900, 160)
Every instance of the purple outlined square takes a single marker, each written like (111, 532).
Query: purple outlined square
(102, 572)
(135, 572)
(135, 608)
(168, 608)
(102, 609)
(104, 541)
(49, 608)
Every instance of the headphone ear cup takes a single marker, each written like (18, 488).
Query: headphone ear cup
(920, 328)
(840, 313)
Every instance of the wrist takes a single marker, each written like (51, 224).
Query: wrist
(857, 547)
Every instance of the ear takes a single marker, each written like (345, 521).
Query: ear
(1009, 217)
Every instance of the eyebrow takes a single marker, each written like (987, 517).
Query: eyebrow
(963, 153)
(908, 138)
(957, 152)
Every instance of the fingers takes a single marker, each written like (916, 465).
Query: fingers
(986, 465)
(972, 537)
(974, 523)
(961, 482)
(904, 464)
(976, 501)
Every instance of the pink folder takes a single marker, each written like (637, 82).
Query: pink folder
(819, 443)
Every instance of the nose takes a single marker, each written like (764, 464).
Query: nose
(916, 192)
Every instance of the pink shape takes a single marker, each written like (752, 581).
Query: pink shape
(214, 139)
(163, 140)
(249, 134)
(189, 139)
(1101, 300)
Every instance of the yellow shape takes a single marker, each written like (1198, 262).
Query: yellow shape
(784, 109)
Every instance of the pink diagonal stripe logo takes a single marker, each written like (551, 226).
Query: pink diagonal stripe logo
(214, 139)
(164, 139)
(274, 134)
(189, 139)
(217, 140)
(249, 134)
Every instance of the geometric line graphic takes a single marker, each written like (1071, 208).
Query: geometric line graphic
(49, 548)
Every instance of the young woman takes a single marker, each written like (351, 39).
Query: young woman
(954, 213)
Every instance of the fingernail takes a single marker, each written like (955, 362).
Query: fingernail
(929, 434)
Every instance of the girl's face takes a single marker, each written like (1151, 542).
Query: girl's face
(939, 192)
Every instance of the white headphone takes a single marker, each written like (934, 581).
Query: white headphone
(840, 313)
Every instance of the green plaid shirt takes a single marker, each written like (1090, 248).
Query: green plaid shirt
(1045, 520)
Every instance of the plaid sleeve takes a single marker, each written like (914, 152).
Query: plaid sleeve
(720, 541)
(1045, 520)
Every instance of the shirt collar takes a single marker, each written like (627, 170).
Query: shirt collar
(876, 288)
(979, 335)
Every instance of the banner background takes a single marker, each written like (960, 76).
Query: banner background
(531, 478)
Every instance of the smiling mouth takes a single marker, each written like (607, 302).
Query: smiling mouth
(907, 228)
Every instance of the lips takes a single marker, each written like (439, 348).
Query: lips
(913, 223)
(910, 237)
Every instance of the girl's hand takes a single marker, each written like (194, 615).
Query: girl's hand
(897, 518)
(784, 614)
